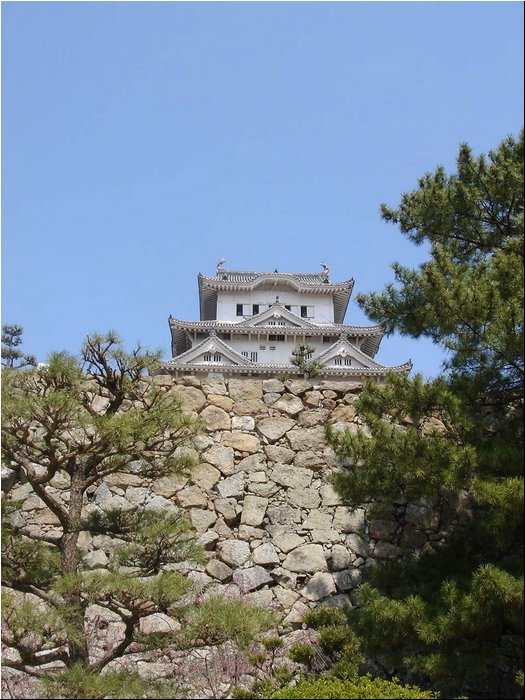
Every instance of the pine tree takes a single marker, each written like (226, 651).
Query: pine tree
(72, 424)
(12, 356)
(454, 614)
(301, 355)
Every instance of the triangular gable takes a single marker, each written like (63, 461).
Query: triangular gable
(277, 313)
(345, 350)
(211, 346)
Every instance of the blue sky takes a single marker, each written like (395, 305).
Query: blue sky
(143, 141)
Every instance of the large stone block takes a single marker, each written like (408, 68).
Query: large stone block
(347, 579)
(214, 385)
(253, 511)
(251, 579)
(302, 439)
(202, 519)
(283, 514)
(357, 545)
(289, 404)
(265, 554)
(275, 428)
(319, 586)
(245, 389)
(294, 477)
(205, 476)
(245, 423)
(349, 520)
(227, 507)
(253, 463)
(287, 541)
(215, 418)
(298, 386)
(191, 497)
(221, 457)
(192, 398)
(223, 402)
(232, 486)
(242, 442)
(233, 552)
(318, 520)
(249, 407)
(307, 558)
(219, 570)
(272, 386)
(304, 498)
(276, 453)
(329, 495)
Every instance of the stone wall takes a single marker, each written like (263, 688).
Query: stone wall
(274, 529)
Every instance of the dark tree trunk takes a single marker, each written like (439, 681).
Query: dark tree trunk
(78, 650)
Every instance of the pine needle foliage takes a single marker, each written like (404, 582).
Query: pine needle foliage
(456, 440)
(12, 355)
(81, 420)
(301, 355)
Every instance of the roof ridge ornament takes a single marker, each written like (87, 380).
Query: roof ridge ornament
(219, 267)
(326, 271)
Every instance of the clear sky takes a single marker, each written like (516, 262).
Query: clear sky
(144, 141)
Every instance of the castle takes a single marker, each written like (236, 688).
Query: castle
(250, 322)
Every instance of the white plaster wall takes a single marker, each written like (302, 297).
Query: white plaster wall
(227, 303)
(282, 352)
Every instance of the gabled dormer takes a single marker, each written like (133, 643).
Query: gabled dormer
(277, 315)
(343, 354)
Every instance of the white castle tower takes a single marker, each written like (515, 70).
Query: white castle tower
(250, 323)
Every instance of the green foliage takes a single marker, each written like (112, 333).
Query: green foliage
(12, 356)
(302, 653)
(156, 540)
(272, 644)
(324, 616)
(300, 358)
(79, 682)
(359, 687)
(217, 620)
(455, 439)
(83, 420)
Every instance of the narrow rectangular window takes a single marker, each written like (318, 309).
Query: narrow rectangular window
(304, 311)
(327, 339)
(217, 358)
(262, 347)
(274, 338)
(255, 309)
(239, 309)
(207, 358)
(245, 353)
(253, 356)
(338, 361)
(272, 347)
(348, 361)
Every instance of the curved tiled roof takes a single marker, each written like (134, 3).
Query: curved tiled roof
(240, 277)
(253, 367)
(317, 283)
